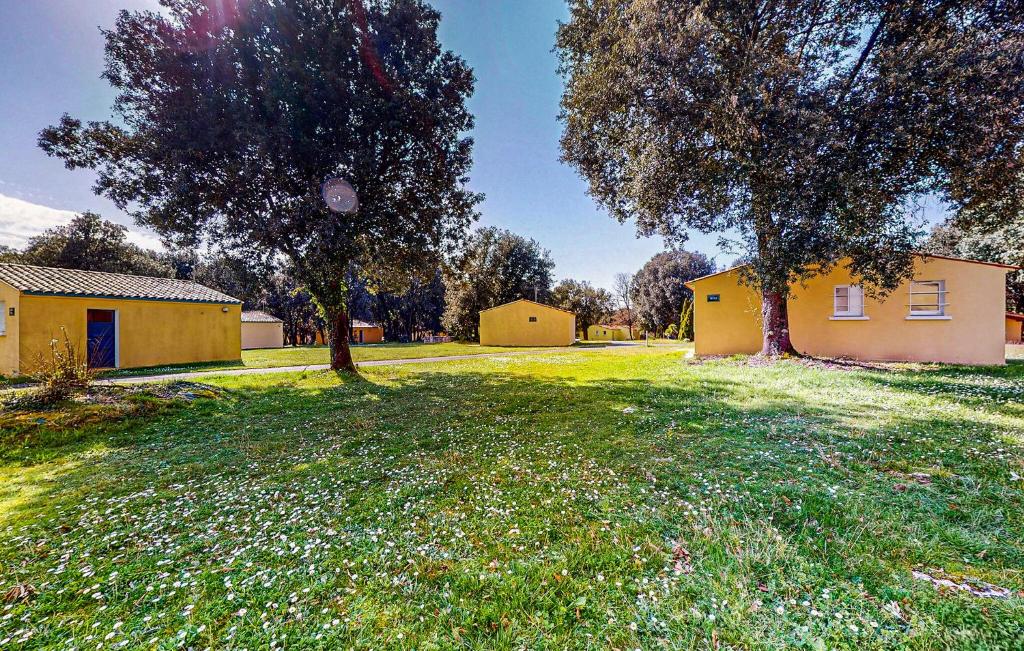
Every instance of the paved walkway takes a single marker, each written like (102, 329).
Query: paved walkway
(164, 377)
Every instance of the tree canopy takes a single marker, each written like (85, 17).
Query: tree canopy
(91, 243)
(807, 127)
(1003, 244)
(496, 266)
(590, 304)
(230, 117)
(659, 289)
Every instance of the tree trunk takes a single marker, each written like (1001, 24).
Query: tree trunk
(584, 331)
(341, 355)
(775, 324)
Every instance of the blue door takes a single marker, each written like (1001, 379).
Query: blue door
(101, 334)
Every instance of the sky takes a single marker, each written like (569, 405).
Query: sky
(53, 56)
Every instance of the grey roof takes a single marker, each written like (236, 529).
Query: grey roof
(75, 282)
(356, 323)
(258, 316)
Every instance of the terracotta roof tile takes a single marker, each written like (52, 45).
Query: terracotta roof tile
(75, 282)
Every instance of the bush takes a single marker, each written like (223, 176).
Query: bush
(60, 371)
(686, 321)
(670, 332)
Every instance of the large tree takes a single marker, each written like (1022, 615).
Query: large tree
(496, 266)
(231, 115)
(807, 127)
(590, 304)
(659, 287)
(91, 243)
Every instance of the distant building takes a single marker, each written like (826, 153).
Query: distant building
(1014, 325)
(115, 320)
(366, 333)
(360, 333)
(610, 333)
(261, 330)
(526, 323)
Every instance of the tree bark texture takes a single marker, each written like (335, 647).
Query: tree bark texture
(341, 354)
(775, 324)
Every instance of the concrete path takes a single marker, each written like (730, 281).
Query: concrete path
(166, 377)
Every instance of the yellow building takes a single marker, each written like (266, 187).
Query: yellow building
(525, 323)
(951, 311)
(366, 333)
(261, 330)
(608, 333)
(116, 320)
(361, 332)
(1014, 327)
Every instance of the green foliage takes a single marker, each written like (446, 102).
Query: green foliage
(90, 243)
(658, 289)
(1003, 244)
(404, 309)
(495, 267)
(230, 116)
(807, 128)
(590, 304)
(671, 331)
(686, 320)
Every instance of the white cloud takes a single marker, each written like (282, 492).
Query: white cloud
(20, 220)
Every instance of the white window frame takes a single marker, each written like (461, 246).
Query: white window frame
(848, 314)
(3, 318)
(941, 301)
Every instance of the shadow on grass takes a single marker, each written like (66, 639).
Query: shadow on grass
(757, 456)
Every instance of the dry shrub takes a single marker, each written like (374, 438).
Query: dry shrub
(60, 371)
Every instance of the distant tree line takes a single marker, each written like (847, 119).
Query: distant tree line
(495, 266)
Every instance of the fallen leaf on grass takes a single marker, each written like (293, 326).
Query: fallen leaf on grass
(20, 592)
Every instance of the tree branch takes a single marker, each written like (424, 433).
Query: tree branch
(865, 53)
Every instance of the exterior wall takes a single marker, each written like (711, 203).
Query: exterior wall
(149, 333)
(732, 324)
(1013, 331)
(262, 335)
(973, 333)
(606, 333)
(510, 325)
(9, 340)
(372, 335)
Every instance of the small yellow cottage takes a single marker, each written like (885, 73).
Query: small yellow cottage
(116, 320)
(609, 333)
(952, 310)
(366, 333)
(525, 323)
(261, 330)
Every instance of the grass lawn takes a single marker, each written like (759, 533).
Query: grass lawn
(620, 498)
(312, 355)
